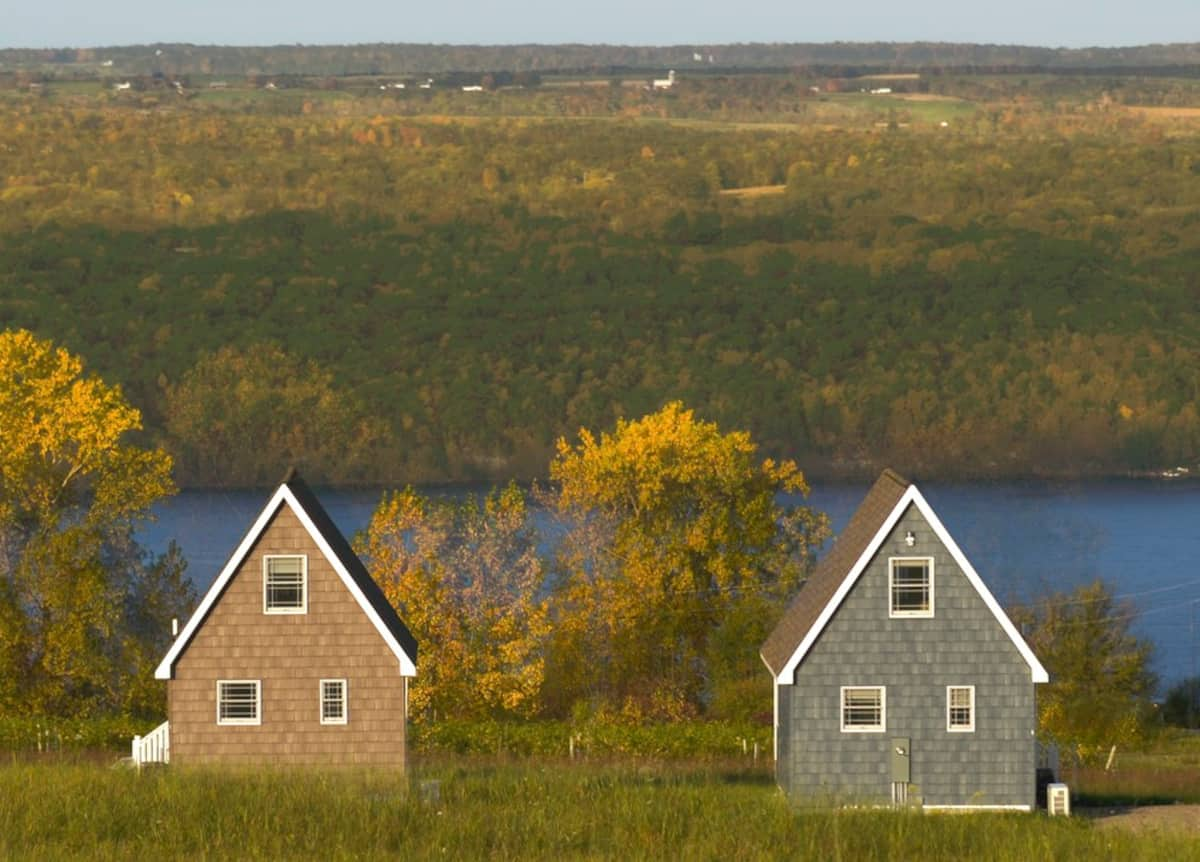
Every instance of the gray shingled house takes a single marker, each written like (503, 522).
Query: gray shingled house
(898, 677)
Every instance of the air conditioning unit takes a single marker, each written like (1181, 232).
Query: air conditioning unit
(1058, 800)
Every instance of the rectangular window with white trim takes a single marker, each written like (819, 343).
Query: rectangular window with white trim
(239, 701)
(864, 708)
(285, 584)
(960, 708)
(910, 586)
(333, 701)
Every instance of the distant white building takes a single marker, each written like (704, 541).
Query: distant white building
(124, 85)
(665, 83)
(472, 88)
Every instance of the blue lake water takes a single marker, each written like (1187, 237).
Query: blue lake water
(1024, 539)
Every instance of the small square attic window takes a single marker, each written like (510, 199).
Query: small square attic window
(910, 586)
(285, 584)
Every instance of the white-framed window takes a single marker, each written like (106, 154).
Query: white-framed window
(239, 701)
(864, 708)
(285, 584)
(960, 708)
(910, 587)
(334, 707)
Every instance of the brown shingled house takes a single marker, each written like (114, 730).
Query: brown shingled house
(293, 656)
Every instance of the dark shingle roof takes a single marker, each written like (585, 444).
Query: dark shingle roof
(337, 542)
(831, 571)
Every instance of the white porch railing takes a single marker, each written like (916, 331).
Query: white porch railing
(154, 747)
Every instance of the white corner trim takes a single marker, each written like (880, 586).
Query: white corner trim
(775, 726)
(911, 496)
(407, 666)
(166, 666)
(787, 676)
(1037, 671)
(998, 807)
(282, 496)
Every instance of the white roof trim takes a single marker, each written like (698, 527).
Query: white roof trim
(912, 497)
(282, 496)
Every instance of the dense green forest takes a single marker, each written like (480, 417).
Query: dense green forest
(984, 276)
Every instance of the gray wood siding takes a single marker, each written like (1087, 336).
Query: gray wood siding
(916, 659)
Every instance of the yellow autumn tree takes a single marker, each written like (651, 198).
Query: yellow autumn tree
(674, 533)
(466, 578)
(83, 610)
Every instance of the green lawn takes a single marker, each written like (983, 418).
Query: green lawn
(477, 809)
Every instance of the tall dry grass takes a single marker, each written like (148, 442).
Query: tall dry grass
(476, 810)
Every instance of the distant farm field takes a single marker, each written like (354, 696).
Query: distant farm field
(475, 809)
(754, 191)
(1158, 112)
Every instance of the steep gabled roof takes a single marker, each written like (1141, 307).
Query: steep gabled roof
(833, 578)
(829, 573)
(297, 496)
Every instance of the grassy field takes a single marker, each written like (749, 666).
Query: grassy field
(1165, 772)
(479, 809)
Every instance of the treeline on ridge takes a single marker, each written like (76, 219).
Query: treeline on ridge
(384, 58)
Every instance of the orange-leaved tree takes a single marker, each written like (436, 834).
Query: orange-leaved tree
(466, 578)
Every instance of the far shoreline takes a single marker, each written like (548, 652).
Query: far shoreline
(1165, 476)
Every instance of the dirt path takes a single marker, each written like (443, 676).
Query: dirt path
(1146, 818)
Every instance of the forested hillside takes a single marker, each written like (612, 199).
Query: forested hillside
(997, 281)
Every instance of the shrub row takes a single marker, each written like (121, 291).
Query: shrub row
(695, 740)
(33, 733)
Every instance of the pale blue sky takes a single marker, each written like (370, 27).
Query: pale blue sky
(1070, 23)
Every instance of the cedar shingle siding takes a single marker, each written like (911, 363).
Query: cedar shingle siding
(290, 654)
